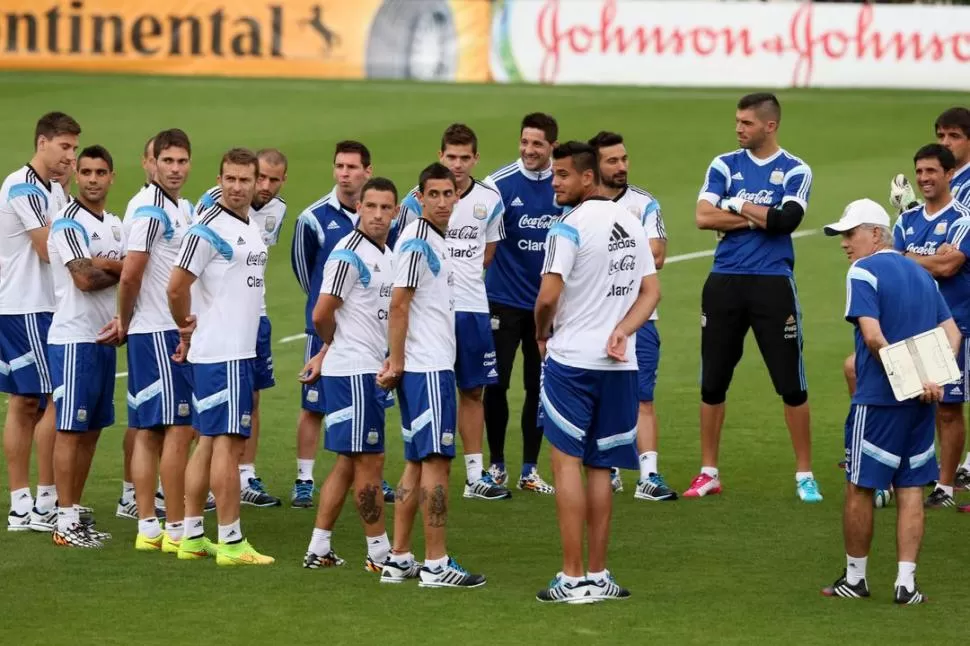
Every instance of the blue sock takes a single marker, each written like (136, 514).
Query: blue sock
(527, 469)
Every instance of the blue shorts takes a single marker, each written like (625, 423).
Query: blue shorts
(223, 401)
(429, 412)
(591, 414)
(264, 377)
(312, 398)
(355, 414)
(159, 390)
(648, 359)
(84, 385)
(957, 393)
(890, 445)
(23, 354)
(475, 363)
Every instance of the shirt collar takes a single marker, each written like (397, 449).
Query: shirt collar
(535, 176)
(334, 202)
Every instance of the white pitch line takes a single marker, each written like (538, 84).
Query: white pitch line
(678, 258)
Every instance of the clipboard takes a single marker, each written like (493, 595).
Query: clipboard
(924, 358)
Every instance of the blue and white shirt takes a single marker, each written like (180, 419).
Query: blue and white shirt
(905, 300)
(645, 207)
(767, 182)
(318, 229)
(960, 185)
(921, 234)
(514, 276)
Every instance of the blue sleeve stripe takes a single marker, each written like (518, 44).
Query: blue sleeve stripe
(866, 276)
(806, 184)
(351, 258)
(62, 224)
(156, 213)
(497, 211)
(422, 248)
(959, 230)
(221, 246)
(27, 190)
(309, 220)
(563, 230)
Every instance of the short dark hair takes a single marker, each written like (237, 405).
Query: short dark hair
(436, 171)
(583, 156)
(172, 138)
(605, 139)
(240, 157)
(544, 122)
(349, 146)
(954, 118)
(273, 156)
(149, 147)
(97, 152)
(939, 152)
(761, 101)
(379, 184)
(53, 124)
(458, 134)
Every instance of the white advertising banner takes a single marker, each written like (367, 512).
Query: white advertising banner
(731, 44)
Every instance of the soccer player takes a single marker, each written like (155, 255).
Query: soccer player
(27, 204)
(224, 252)
(512, 283)
(953, 131)
(474, 231)
(756, 197)
(351, 318)
(934, 234)
(421, 341)
(268, 211)
(159, 389)
(85, 248)
(318, 229)
(614, 165)
(599, 287)
(64, 179)
(889, 299)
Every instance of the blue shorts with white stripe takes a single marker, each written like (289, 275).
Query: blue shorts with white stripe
(223, 399)
(159, 390)
(355, 414)
(890, 445)
(591, 414)
(23, 354)
(429, 414)
(957, 393)
(84, 385)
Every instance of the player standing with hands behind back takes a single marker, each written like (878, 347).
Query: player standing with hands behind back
(755, 198)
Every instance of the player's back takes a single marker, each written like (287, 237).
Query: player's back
(610, 256)
(26, 203)
(155, 225)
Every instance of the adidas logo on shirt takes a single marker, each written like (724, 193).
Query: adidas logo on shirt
(333, 225)
(516, 202)
(376, 267)
(620, 239)
(956, 391)
(240, 241)
(737, 175)
(95, 236)
(493, 373)
(909, 231)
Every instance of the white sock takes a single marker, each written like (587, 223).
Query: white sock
(175, 531)
(378, 547)
(194, 527)
(46, 497)
(21, 501)
(246, 471)
(67, 517)
(231, 533)
(648, 464)
(597, 576)
(966, 462)
(947, 489)
(434, 563)
(304, 469)
(709, 471)
(572, 580)
(401, 559)
(801, 475)
(855, 568)
(473, 467)
(159, 491)
(905, 575)
(149, 527)
(320, 541)
(127, 491)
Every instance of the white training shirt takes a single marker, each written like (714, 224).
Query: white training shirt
(155, 224)
(646, 208)
(78, 233)
(421, 262)
(26, 203)
(228, 257)
(268, 219)
(361, 274)
(477, 220)
(600, 250)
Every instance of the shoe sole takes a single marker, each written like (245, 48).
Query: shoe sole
(475, 496)
(18, 528)
(646, 496)
(424, 584)
(392, 580)
(46, 529)
(573, 602)
(278, 503)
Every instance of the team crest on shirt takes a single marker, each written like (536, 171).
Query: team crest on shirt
(82, 414)
(480, 211)
(116, 232)
(776, 177)
(372, 437)
(270, 225)
(447, 439)
(940, 228)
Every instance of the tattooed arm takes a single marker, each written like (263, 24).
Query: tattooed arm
(112, 267)
(89, 278)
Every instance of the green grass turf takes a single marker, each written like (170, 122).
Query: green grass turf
(744, 567)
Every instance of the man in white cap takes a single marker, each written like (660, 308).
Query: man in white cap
(887, 442)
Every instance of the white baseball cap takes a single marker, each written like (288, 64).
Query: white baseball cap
(864, 211)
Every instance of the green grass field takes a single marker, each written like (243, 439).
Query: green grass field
(745, 567)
